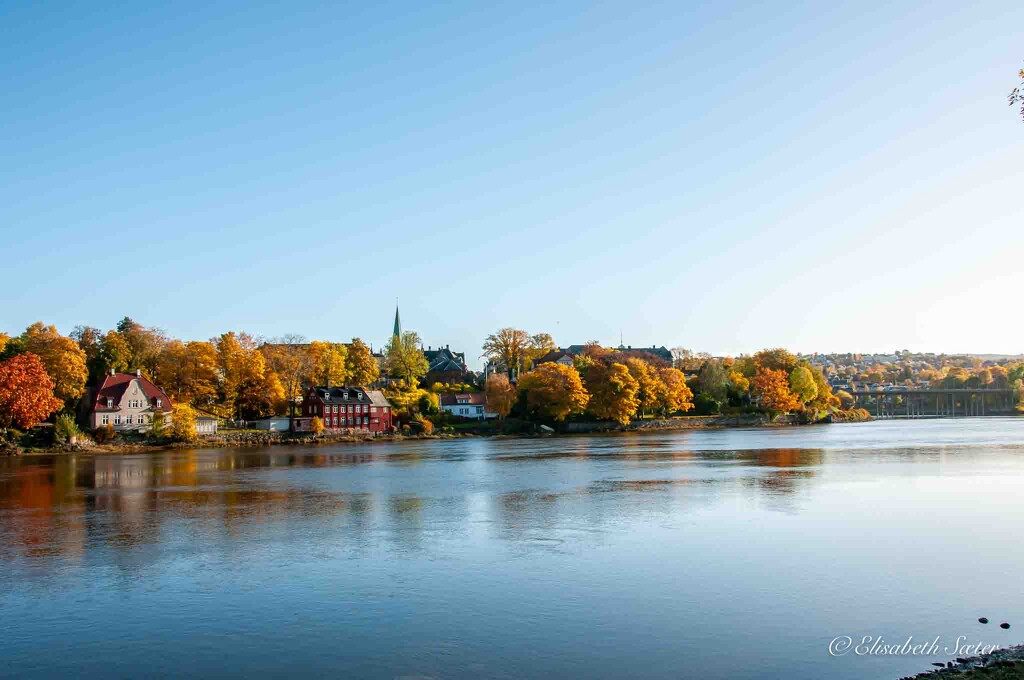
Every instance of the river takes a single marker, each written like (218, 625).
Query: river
(714, 554)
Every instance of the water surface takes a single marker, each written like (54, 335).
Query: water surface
(718, 554)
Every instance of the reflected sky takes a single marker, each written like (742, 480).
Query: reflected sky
(607, 556)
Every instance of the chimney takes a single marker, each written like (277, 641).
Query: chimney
(111, 370)
(138, 372)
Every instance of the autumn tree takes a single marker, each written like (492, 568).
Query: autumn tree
(553, 390)
(114, 354)
(613, 392)
(801, 382)
(500, 394)
(676, 395)
(144, 343)
(3, 342)
(650, 385)
(328, 363)
(360, 364)
(771, 387)
(63, 358)
(846, 400)
(404, 359)
(538, 345)
(291, 360)
(245, 387)
(508, 346)
(777, 359)
(183, 423)
(26, 392)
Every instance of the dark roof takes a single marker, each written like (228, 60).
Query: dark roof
(350, 395)
(114, 386)
(553, 355)
(443, 359)
(341, 394)
(451, 398)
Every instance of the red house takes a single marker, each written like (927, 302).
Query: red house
(347, 408)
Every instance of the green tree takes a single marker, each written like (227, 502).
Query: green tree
(404, 359)
(801, 382)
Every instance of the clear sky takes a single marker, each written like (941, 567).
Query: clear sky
(720, 176)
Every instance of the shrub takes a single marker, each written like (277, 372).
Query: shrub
(422, 426)
(183, 423)
(316, 426)
(705, 405)
(103, 434)
(65, 428)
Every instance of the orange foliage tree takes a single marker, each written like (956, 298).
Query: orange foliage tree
(554, 390)
(613, 392)
(26, 392)
(500, 394)
(771, 386)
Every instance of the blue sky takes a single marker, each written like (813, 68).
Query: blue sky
(720, 176)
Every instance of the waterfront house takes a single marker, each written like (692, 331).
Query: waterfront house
(346, 408)
(467, 405)
(127, 402)
(556, 356)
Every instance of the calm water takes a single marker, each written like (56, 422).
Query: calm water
(729, 554)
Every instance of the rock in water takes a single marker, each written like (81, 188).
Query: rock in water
(982, 620)
(1004, 626)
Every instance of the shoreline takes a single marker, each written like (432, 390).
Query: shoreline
(999, 664)
(259, 438)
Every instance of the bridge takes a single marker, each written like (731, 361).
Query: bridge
(936, 403)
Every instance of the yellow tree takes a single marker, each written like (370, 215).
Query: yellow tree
(554, 390)
(200, 372)
(677, 395)
(3, 341)
(328, 363)
(360, 364)
(500, 394)
(243, 371)
(650, 383)
(63, 358)
(114, 353)
(801, 382)
(508, 346)
(613, 392)
(183, 423)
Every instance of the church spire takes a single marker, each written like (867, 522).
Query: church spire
(398, 322)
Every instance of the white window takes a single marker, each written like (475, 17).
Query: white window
(128, 419)
(159, 403)
(106, 420)
(110, 403)
(117, 420)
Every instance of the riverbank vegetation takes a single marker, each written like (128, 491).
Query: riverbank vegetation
(237, 377)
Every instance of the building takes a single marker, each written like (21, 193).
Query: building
(557, 356)
(206, 425)
(466, 405)
(347, 408)
(127, 402)
(445, 366)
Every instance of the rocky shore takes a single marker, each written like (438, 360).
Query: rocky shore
(509, 429)
(1001, 664)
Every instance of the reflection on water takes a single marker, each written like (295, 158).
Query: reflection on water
(510, 558)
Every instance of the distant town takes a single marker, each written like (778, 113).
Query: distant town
(134, 383)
